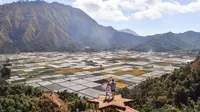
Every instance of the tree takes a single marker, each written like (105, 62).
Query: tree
(6, 72)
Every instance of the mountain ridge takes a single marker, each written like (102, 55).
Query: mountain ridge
(169, 41)
(41, 26)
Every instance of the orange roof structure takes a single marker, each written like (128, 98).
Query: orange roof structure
(116, 103)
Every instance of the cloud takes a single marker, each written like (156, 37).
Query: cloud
(101, 9)
(166, 8)
(138, 4)
(142, 9)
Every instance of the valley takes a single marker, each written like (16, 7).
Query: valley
(87, 73)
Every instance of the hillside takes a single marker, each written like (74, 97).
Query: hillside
(164, 42)
(190, 37)
(175, 92)
(41, 26)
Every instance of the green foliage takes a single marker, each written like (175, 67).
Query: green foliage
(18, 103)
(20, 98)
(178, 91)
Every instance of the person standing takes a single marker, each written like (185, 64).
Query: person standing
(108, 90)
(113, 86)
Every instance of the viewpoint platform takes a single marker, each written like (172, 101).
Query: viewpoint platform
(117, 103)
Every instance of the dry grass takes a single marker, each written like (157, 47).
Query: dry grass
(131, 72)
(74, 70)
(118, 83)
(68, 71)
(120, 72)
(104, 73)
(93, 69)
(121, 85)
(115, 79)
(137, 72)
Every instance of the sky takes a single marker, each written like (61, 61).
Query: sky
(145, 17)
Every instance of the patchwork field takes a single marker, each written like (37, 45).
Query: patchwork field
(88, 73)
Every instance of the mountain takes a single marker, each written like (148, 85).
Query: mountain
(178, 91)
(169, 42)
(129, 31)
(163, 42)
(41, 26)
(190, 37)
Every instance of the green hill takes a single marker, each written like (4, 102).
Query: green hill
(175, 92)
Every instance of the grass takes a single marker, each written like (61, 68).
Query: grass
(104, 73)
(69, 71)
(121, 85)
(135, 72)
(118, 83)
(23, 74)
(93, 69)
(119, 72)
(115, 79)
(74, 70)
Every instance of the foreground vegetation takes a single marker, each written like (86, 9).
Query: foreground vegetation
(20, 98)
(175, 92)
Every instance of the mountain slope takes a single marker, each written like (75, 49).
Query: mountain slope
(41, 26)
(190, 37)
(129, 31)
(164, 42)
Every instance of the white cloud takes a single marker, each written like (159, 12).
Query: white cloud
(143, 9)
(99, 9)
(138, 4)
(166, 8)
